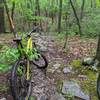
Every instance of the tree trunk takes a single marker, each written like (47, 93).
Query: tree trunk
(59, 16)
(2, 22)
(82, 9)
(9, 18)
(37, 13)
(12, 11)
(98, 50)
(76, 16)
(91, 4)
(66, 25)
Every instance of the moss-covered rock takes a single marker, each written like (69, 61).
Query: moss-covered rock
(76, 63)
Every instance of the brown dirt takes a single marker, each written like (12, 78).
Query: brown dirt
(77, 50)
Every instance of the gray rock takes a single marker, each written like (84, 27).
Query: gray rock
(95, 65)
(43, 48)
(87, 61)
(43, 97)
(3, 99)
(54, 68)
(67, 70)
(57, 97)
(70, 87)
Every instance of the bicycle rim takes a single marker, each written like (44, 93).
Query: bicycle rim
(20, 87)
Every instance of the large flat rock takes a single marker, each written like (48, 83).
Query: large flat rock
(71, 87)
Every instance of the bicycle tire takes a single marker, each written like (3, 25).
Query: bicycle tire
(44, 60)
(98, 86)
(14, 83)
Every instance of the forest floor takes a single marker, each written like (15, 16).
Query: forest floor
(64, 65)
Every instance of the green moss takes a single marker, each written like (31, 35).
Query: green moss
(59, 85)
(62, 67)
(76, 63)
(69, 96)
(3, 88)
(91, 75)
(89, 87)
(1, 46)
(33, 98)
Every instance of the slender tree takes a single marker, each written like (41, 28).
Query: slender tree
(66, 25)
(37, 12)
(82, 9)
(76, 16)
(98, 50)
(2, 22)
(91, 3)
(13, 9)
(59, 16)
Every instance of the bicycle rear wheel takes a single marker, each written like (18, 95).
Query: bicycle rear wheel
(98, 86)
(41, 62)
(20, 86)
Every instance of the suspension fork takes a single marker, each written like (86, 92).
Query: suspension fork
(29, 47)
(28, 70)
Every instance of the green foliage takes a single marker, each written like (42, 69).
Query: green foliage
(91, 25)
(98, 3)
(76, 63)
(33, 54)
(8, 55)
(4, 67)
(33, 98)
(3, 88)
(1, 46)
(25, 13)
(59, 85)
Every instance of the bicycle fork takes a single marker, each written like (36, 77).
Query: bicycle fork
(29, 46)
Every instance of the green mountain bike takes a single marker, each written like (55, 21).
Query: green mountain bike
(21, 71)
(20, 80)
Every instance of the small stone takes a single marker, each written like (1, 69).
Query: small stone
(3, 99)
(56, 66)
(87, 61)
(43, 49)
(67, 70)
(43, 97)
(83, 77)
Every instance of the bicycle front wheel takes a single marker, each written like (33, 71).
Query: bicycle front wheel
(98, 86)
(20, 86)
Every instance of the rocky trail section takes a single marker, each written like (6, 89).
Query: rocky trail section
(46, 87)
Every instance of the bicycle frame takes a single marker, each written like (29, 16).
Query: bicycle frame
(20, 50)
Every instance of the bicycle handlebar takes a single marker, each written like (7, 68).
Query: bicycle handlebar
(34, 30)
(27, 35)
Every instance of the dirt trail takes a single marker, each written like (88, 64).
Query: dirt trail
(44, 86)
